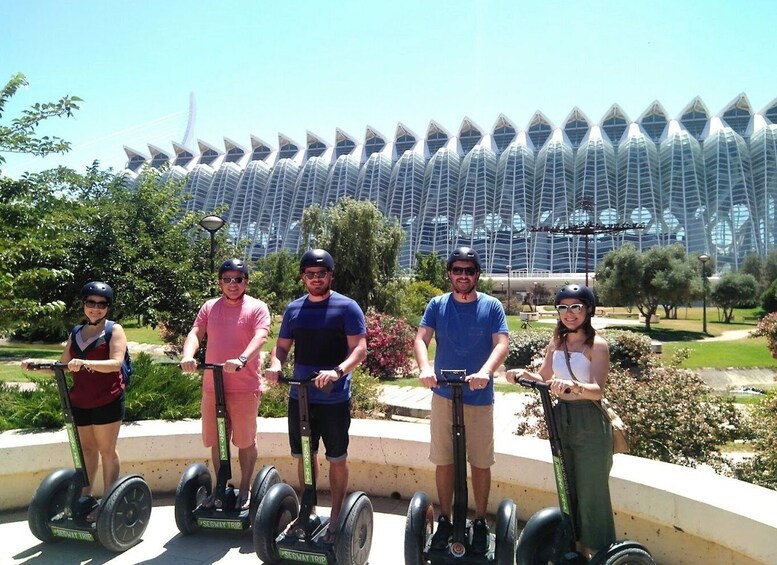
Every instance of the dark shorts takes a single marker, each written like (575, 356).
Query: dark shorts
(329, 422)
(106, 414)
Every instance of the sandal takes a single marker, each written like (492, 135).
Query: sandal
(92, 516)
(329, 536)
(243, 502)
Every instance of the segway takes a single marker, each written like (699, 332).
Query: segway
(195, 487)
(58, 511)
(285, 531)
(551, 533)
(420, 513)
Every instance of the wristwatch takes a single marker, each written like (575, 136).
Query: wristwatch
(339, 371)
(243, 359)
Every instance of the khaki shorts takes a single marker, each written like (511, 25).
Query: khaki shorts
(242, 410)
(479, 433)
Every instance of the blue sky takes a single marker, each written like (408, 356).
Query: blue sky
(265, 68)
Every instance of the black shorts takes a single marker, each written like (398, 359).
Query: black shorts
(329, 422)
(106, 414)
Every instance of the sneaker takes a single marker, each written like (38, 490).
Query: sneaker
(443, 533)
(479, 536)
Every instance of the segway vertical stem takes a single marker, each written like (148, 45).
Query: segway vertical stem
(461, 494)
(225, 462)
(309, 494)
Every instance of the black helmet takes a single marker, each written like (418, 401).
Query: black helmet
(579, 292)
(464, 254)
(97, 288)
(316, 258)
(233, 265)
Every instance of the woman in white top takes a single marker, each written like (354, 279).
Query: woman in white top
(586, 436)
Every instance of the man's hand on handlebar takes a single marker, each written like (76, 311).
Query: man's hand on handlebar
(188, 365)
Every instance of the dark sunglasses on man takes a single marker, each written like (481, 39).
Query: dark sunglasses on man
(310, 275)
(469, 271)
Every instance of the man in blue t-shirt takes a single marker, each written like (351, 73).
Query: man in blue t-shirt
(329, 335)
(471, 332)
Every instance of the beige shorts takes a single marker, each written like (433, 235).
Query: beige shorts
(479, 433)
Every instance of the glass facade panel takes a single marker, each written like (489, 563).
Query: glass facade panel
(438, 207)
(504, 136)
(404, 202)
(342, 179)
(374, 180)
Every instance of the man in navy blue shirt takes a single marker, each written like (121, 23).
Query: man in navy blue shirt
(329, 335)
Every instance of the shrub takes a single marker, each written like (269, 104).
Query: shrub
(671, 414)
(526, 347)
(161, 391)
(761, 469)
(389, 345)
(628, 350)
(768, 327)
(415, 298)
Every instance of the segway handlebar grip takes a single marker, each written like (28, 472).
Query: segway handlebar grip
(531, 383)
(47, 366)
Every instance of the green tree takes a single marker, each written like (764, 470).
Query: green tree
(770, 268)
(659, 276)
(33, 241)
(276, 280)
(431, 267)
(364, 243)
(20, 136)
(753, 264)
(734, 289)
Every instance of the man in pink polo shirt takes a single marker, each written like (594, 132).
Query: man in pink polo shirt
(237, 326)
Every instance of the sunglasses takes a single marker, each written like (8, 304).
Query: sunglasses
(310, 275)
(574, 308)
(93, 304)
(469, 271)
(228, 280)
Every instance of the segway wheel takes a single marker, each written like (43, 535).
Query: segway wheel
(49, 500)
(266, 478)
(536, 545)
(506, 533)
(624, 553)
(354, 539)
(278, 509)
(194, 487)
(418, 526)
(124, 514)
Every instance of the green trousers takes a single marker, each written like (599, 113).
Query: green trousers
(586, 441)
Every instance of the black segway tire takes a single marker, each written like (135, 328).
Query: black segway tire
(267, 477)
(418, 527)
(278, 509)
(48, 500)
(354, 530)
(195, 485)
(124, 514)
(624, 553)
(536, 544)
(506, 533)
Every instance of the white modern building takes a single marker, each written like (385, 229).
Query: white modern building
(706, 181)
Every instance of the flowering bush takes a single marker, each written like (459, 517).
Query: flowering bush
(389, 345)
(768, 327)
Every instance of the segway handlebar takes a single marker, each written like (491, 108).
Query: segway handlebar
(47, 366)
(452, 377)
(531, 383)
(306, 381)
(203, 366)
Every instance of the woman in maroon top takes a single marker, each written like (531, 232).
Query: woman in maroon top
(97, 394)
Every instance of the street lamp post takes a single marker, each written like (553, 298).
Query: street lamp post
(509, 267)
(535, 296)
(212, 224)
(703, 258)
